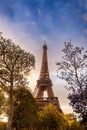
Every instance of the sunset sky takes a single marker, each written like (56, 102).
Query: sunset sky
(31, 22)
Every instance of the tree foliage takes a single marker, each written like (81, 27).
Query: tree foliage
(25, 108)
(50, 118)
(14, 64)
(2, 125)
(2, 102)
(73, 69)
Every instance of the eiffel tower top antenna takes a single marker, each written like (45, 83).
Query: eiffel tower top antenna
(44, 73)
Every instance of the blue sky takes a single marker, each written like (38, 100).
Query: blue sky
(48, 17)
(30, 22)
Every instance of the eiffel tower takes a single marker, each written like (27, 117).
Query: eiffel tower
(44, 84)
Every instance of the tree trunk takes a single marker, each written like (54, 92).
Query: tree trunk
(9, 125)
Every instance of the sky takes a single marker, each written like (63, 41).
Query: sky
(31, 22)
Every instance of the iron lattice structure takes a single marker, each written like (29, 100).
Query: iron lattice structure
(44, 84)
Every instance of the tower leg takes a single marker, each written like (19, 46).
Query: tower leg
(40, 93)
(50, 91)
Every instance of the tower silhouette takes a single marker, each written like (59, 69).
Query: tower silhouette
(44, 84)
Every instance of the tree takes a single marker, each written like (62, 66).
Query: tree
(76, 126)
(73, 69)
(50, 118)
(15, 63)
(25, 108)
(2, 125)
(2, 101)
(79, 105)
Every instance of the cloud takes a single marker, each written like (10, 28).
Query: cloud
(39, 12)
(19, 35)
(84, 17)
(33, 23)
(85, 31)
(86, 5)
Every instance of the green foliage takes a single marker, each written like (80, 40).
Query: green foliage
(2, 126)
(84, 127)
(72, 123)
(25, 108)
(50, 118)
(15, 63)
(75, 126)
(2, 102)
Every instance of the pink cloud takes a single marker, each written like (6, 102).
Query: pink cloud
(33, 23)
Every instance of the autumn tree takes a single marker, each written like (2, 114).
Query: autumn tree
(25, 108)
(15, 63)
(2, 101)
(73, 69)
(50, 119)
(2, 125)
